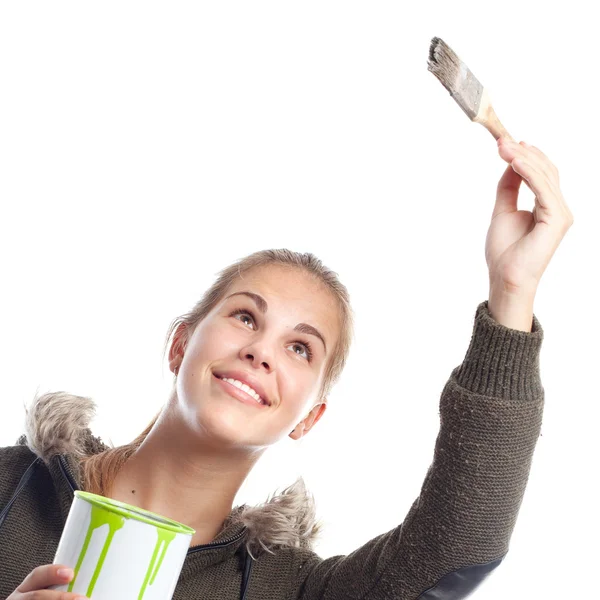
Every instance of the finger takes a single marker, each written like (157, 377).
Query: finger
(537, 156)
(535, 150)
(554, 177)
(511, 150)
(550, 166)
(507, 194)
(545, 195)
(45, 576)
(51, 595)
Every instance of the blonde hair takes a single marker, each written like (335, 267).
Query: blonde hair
(99, 470)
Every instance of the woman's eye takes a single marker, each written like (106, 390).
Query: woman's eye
(245, 317)
(305, 351)
(242, 315)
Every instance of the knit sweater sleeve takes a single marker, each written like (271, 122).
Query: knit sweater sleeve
(458, 529)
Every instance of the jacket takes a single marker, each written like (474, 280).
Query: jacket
(455, 534)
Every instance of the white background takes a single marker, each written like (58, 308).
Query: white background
(143, 147)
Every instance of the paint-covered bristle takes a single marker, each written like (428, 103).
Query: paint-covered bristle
(455, 76)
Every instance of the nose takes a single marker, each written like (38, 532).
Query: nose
(258, 355)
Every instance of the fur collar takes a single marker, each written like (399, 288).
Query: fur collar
(58, 423)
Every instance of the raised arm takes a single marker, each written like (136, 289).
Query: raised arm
(459, 528)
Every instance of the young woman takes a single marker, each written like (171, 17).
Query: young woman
(254, 361)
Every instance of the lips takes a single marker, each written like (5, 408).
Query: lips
(246, 378)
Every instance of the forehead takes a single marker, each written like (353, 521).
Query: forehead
(294, 294)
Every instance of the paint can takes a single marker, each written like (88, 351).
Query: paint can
(119, 551)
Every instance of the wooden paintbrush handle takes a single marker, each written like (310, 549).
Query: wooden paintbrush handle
(487, 117)
(493, 125)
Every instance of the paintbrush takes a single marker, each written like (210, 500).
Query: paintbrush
(464, 87)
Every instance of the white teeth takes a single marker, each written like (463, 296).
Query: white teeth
(244, 387)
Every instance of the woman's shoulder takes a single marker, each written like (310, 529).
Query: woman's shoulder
(13, 458)
(18, 453)
(14, 463)
(56, 424)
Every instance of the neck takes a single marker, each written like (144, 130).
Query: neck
(177, 474)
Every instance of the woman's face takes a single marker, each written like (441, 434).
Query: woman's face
(274, 331)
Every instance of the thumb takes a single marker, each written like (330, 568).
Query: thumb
(507, 193)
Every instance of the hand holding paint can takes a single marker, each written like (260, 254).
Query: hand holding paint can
(119, 551)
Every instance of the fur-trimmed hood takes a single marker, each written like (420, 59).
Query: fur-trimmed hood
(58, 424)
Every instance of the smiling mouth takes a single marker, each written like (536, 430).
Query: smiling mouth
(247, 394)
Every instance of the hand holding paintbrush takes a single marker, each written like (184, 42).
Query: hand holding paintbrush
(519, 243)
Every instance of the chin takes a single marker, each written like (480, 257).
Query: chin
(229, 428)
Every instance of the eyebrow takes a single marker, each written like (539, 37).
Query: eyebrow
(262, 305)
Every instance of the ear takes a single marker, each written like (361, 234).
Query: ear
(309, 421)
(178, 346)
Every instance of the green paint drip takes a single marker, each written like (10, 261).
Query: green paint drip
(99, 517)
(164, 539)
